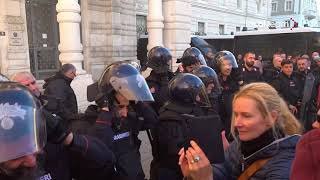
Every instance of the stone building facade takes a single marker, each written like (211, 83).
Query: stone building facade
(40, 35)
(285, 12)
(214, 17)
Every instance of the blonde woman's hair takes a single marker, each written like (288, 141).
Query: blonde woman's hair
(268, 100)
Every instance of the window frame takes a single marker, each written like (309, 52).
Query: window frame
(276, 9)
(285, 5)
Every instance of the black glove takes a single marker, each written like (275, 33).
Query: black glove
(57, 128)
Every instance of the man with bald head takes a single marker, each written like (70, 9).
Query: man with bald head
(27, 79)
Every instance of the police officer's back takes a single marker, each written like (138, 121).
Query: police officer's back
(187, 97)
(159, 60)
(225, 63)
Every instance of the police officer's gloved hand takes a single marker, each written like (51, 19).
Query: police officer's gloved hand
(57, 129)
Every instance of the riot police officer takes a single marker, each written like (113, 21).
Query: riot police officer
(224, 64)
(120, 87)
(159, 60)
(191, 58)
(188, 98)
(24, 153)
(210, 79)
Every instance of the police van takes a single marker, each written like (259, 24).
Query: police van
(220, 42)
(292, 41)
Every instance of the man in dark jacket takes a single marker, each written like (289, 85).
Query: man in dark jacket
(289, 87)
(58, 86)
(25, 154)
(272, 72)
(310, 83)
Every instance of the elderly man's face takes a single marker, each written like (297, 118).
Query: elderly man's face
(72, 73)
(30, 82)
(302, 65)
(277, 59)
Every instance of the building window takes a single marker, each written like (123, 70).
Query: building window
(288, 5)
(221, 29)
(239, 4)
(141, 25)
(238, 29)
(201, 28)
(274, 6)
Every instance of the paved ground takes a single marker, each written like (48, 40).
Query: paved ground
(145, 151)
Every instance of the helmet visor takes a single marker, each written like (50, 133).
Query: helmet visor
(202, 60)
(22, 126)
(133, 88)
(202, 98)
(232, 60)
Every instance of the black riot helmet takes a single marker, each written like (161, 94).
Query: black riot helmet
(159, 59)
(195, 53)
(187, 88)
(126, 80)
(3, 78)
(219, 59)
(208, 76)
(22, 124)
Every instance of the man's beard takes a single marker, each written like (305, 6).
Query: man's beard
(26, 173)
(250, 63)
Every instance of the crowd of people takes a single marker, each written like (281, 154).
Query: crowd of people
(215, 117)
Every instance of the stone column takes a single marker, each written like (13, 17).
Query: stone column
(70, 47)
(14, 54)
(155, 24)
(177, 27)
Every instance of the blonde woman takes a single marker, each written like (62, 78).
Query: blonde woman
(265, 134)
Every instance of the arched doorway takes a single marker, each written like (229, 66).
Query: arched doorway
(43, 37)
